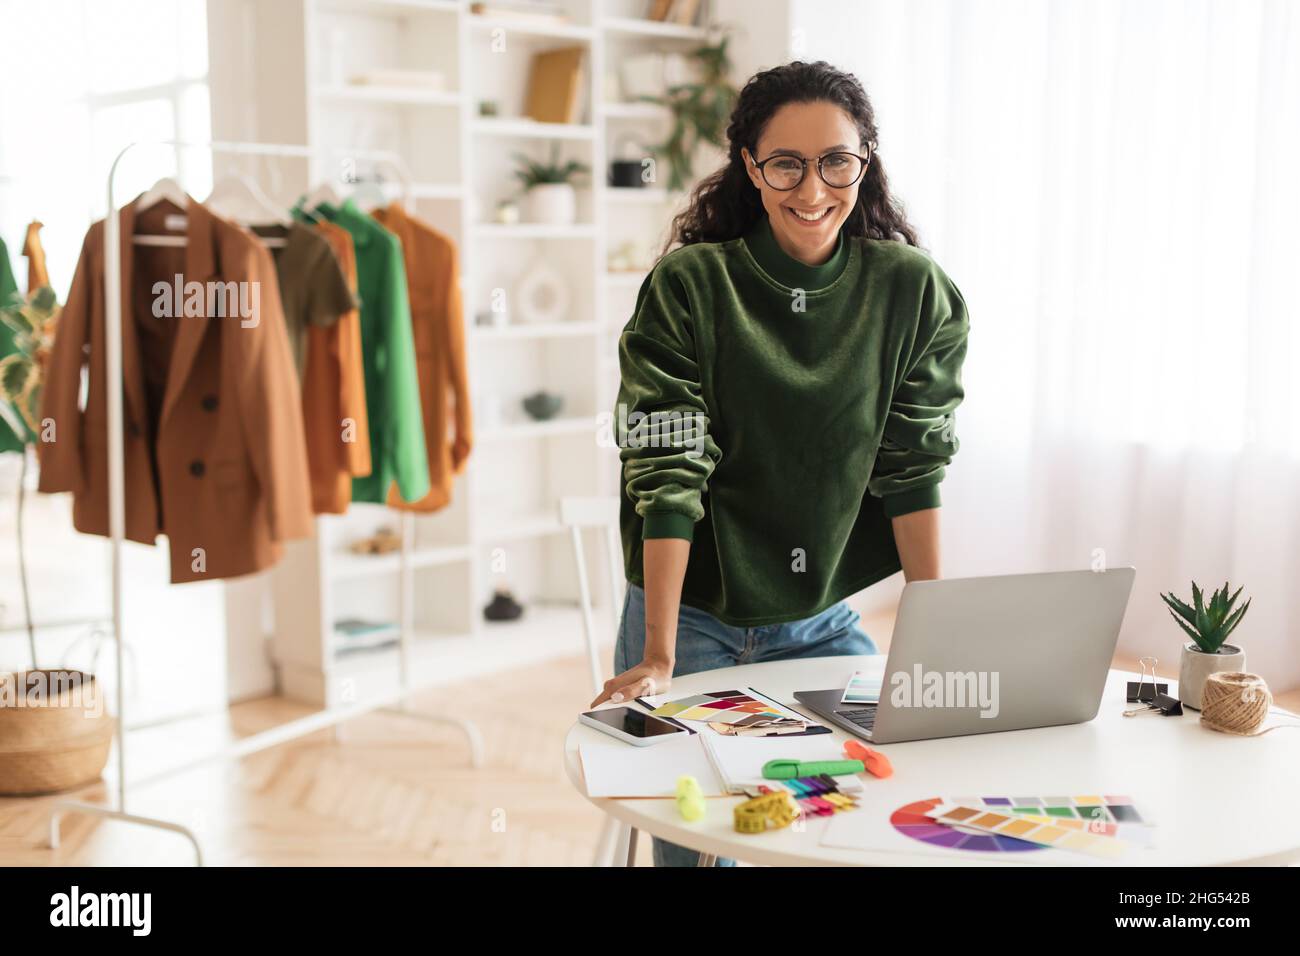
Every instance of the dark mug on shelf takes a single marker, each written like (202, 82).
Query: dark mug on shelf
(626, 174)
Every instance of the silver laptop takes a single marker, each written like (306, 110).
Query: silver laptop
(981, 655)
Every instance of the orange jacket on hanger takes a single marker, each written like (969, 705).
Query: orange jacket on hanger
(334, 395)
(213, 438)
(433, 280)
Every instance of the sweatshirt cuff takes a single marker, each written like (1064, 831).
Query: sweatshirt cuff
(668, 524)
(905, 502)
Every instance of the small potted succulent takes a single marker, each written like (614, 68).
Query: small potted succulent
(548, 188)
(1208, 625)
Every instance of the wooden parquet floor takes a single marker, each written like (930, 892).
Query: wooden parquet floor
(388, 791)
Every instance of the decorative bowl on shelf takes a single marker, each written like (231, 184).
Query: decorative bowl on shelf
(541, 294)
(541, 406)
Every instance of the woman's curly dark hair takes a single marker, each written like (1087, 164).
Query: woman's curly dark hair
(725, 204)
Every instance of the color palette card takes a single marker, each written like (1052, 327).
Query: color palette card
(1006, 824)
(1128, 832)
(863, 688)
(1103, 814)
(724, 706)
(742, 712)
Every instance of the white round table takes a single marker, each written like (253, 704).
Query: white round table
(1215, 798)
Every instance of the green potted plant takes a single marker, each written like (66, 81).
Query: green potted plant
(30, 325)
(699, 110)
(548, 187)
(1208, 626)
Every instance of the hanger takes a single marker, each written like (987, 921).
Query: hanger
(167, 189)
(239, 199)
(370, 194)
(323, 193)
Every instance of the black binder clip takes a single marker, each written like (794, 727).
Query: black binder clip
(1140, 690)
(1169, 706)
(1163, 704)
(1155, 696)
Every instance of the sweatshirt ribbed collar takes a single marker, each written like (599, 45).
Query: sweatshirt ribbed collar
(786, 269)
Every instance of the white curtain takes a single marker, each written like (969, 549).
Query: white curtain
(1114, 186)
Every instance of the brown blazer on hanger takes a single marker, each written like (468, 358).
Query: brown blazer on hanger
(438, 322)
(213, 436)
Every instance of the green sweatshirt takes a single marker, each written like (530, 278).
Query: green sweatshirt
(778, 415)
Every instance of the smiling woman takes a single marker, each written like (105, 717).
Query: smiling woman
(818, 354)
(807, 212)
(809, 114)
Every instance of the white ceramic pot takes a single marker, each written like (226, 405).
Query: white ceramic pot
(555, 204)
(1197, 665)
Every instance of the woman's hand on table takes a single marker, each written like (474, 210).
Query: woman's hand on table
(647, 678)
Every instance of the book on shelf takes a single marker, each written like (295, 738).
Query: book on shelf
(659, 10)
(355, 634)
(685, 11)
(555, 86)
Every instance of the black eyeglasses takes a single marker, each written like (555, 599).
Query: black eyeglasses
(837, 170)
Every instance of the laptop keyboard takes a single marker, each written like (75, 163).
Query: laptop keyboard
(864, 717)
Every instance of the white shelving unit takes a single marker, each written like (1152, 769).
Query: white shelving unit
(502, 528)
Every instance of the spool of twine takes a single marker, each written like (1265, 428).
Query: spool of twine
(1234, 702)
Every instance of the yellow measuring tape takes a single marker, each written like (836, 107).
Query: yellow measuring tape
(770, 811)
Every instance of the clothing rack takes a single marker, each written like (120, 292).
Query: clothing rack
(393, 702)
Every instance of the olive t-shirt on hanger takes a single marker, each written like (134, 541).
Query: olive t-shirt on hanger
(313, 289)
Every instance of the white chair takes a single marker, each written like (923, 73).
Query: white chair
(598, 514)
(617, 840)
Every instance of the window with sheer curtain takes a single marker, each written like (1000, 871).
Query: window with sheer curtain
(84, 79)
(1112, 184)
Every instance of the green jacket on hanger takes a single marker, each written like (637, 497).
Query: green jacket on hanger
(397, 449)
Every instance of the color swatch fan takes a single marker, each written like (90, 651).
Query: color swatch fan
(1101, 826)
(912, 821)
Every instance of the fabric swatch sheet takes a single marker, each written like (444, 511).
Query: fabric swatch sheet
(732, 712)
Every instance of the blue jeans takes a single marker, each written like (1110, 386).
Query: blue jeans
(704, 643)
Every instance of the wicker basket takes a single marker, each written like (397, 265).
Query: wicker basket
(54, 741)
